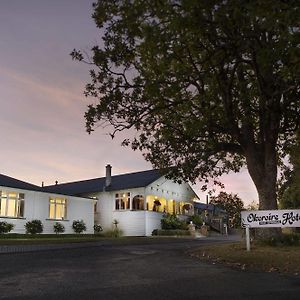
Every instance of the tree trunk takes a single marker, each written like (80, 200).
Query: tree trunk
(262, 168)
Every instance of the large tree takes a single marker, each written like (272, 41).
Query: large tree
(289, 194)
(209, 86)
(233, 205)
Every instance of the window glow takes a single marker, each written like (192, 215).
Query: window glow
(171, 206)
(57, 208)
(155, 203)
(138, 202)
(11, 204)
(122, 201)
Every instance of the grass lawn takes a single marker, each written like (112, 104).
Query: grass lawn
(283, 259)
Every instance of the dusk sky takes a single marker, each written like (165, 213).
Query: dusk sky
(42, 103)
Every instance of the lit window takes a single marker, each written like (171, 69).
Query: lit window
(171, 206)
(122, 201)
(11, 204)
(155, 203)
(138, 202)
(57, 208)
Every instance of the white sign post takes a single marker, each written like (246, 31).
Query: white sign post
(269, 218)
(247, 238)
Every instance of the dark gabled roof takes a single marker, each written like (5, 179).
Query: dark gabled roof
(18, 184)
(204, 206)
(118, 182)
(209, 207)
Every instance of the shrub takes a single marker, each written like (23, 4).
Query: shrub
(6, 227)
(58, 228)
(172, 222)
(98, 228)
(115, 233)
(155, 232)
(78, 226)
(292, 239)
(34, 226)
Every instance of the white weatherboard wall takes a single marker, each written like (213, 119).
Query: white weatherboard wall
(152, 221)
(138, 223)
(132, 223)
(36, 206)
(105, 208)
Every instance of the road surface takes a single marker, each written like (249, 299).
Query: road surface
(136, 269)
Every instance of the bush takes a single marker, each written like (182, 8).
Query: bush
(58, 228)
(292, 239)
(34, 227)
(172, 222)
(197, 220)
(170, 232)
(98, 228)
(155, 232)
(78, 226)
(6, 227)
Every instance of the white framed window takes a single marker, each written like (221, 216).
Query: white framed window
(122, 201)
(11, 204)
(57, 208)
(138, 202)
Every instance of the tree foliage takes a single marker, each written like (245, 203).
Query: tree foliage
(232, 204)
(209, 86)
(290, 193)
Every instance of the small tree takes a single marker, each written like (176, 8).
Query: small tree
(115, 232)
(232, 204)
(197, 220)
(6, 227)
(115, 223)
(58, 228)
(78, 226)
(34, 227)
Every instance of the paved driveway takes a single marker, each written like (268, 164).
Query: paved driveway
(143, 269)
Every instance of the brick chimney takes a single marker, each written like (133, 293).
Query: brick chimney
(108, 176)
